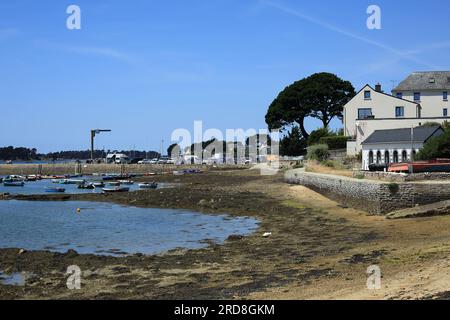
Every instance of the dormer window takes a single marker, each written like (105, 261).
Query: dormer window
(400, 95)
(416, 96)
(367, 95)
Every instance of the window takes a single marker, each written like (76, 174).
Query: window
(367, 95)
(364, 113)
(416, 96)
(400, 95)
(371, 157)
(395, 156)
(445, 113)
(404, 156)
(399, 112)
(387, 158)
(445, 96)
(378, 157)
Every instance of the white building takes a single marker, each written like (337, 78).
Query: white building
(117, 158)
(420, 98)
(396, 145)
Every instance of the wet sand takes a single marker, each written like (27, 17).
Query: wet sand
(317, 250)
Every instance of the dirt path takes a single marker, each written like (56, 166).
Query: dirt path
(317, 250)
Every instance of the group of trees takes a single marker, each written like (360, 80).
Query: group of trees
(321, 96)
(25, 154)
(437, 147)
(11, 153)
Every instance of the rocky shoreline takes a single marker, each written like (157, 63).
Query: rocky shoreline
(305, 243)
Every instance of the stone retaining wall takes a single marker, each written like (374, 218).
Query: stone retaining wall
(375, 197)
(403, 177)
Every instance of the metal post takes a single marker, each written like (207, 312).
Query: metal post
(92, 145)
(411, 169)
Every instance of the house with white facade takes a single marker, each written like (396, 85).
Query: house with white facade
(383, 147)
(421, 98)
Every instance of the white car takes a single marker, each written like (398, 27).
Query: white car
(170, 161)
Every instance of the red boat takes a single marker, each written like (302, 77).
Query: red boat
(438, 165)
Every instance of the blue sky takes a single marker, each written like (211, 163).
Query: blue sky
(144, 68)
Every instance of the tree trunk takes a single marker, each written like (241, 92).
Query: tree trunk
(302, 127)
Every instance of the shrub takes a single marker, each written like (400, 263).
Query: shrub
(316, 135)
(334, 142)
(393, 187)
(318, 152)
(437, 147)
(298, 165)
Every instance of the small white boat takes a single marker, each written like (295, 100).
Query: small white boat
(14, 178)
(126, 182)
(98, 184)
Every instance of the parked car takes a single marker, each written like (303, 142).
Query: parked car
(377, 167)
(135, 160)
(163, 160)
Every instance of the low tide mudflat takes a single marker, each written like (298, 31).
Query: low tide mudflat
(317, 249)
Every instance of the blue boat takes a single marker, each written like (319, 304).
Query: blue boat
(54, 189)
(14, 184)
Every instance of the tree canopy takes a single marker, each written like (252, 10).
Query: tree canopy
(293, 144)
(437, 147)
(321, 96)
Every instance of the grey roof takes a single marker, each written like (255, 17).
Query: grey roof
(430, 80)
(421, 135)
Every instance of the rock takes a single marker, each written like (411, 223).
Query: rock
(235, 237)
(22, 251)
(71, 252)
(267, 234)
(202, 202)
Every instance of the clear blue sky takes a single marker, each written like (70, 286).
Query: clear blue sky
(143, 68)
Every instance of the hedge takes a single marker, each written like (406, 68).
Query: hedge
(335, 142)
(318, 152)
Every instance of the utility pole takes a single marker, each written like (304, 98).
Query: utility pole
(411, 169)
(93, 133)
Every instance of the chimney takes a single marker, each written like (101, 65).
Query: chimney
(378, 87)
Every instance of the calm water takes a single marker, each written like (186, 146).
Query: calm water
(38, 187)
(109, 229)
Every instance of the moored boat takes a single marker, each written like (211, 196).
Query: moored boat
(14, 178)
(126, 182)
(114, 184)
(438, 165)
(86, 186)
(146, 185)
(116, 189)
(14, 183)
(98, 184)
(55, 189)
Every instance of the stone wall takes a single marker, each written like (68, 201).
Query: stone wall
(403, 177)
(374, 197)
